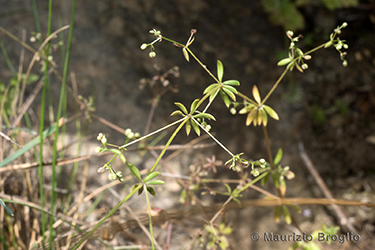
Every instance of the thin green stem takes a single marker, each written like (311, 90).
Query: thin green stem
(315, 49)
(184, 120)
(53, 177)
(150, 134)
(172, 41)
(246, 98)
(149, 216)
(86, 236)
(203, 99)
(275, 86)
(59, 111)
(268, 147)
(213, 138)
(6, 57)
(253, 182)
(203, 66)
(36, 19)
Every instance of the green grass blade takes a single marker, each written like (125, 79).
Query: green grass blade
(28, 146)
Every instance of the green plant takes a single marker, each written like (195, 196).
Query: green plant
(197, 118)
(192, 116)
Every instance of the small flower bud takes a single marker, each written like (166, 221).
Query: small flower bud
(101, 170)
(344, 25)
(290, 33)
(346, 46)
(345, 63)
(112, 176)
(307, 57)
(98, 149)
(137, 135)
(329, 44)
(233, 111)
(143, 46)
(128, 131)
(304, 66)
(104, 140)
(262, 161)
(100, 136)
(338, 46)
(152, 54)
(50, 58)
(32, 39)
(131, 135)
(208, 127)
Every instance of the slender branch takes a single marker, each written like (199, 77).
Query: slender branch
(213, 137)
(275, 85)
(268, 147)
(152, 133)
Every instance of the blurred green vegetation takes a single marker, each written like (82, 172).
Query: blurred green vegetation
(287, 14)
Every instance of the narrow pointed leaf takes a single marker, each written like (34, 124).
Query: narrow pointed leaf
(182, 107)
(287, 217)
(134, 170)
(196, 128)
(6, 208)
(277, 214)
(299, 68)
(28, 146)
(177, 112)
(212, 97)
(220, 70)
(151, 191)
(205, 116)
(282, 187)
(230, 93)
(225, 98)
(228, 187)
(259, 117)
(271, 112)
(275, 180)
(284, 61)
(291, 65)
(256, 94)
(186, 54)
(122, 157)
(140, 191)
(115, 151)
(328, 44)
(251, 116)
(265, 179)
(155, 182)
(151, 176)
(295, 208)
(188, 127)
(247, 109)
(263, 113)
(232, 82)
(278, 156)
(191, 41)
(230, 88)
(193, 106)
(210, 88)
